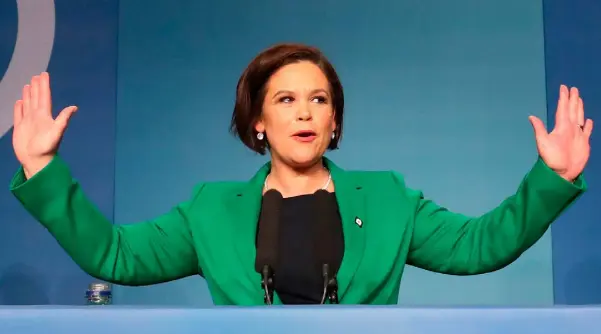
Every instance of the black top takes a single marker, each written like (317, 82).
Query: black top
(310, 233)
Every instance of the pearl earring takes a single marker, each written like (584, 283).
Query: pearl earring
(260, 136)
(333, 135)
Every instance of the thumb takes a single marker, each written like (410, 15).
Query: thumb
(62, 120)
(540, 132)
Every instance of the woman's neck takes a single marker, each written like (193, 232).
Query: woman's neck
(294, 182)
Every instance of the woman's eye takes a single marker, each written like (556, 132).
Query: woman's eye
(320, 99)
(317, 99)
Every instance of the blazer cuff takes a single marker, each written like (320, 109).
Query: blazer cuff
(38, 191)
(555, 188)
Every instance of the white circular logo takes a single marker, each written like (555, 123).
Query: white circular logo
(35, 37)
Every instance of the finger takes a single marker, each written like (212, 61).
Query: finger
(35, 92)
(580, 112)
(588, 128)
(62, 120)
(18, 112)
(540, 132)
(562, 114)
(26, 101)
(45, 102)
(573, 105)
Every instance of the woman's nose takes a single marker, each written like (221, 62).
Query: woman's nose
(304, 114)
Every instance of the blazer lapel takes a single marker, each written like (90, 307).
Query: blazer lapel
(351, 202)
(245, 216)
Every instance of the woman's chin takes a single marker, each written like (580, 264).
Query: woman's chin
(304, 160)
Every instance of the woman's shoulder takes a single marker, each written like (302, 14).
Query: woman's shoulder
(220, 188)
(370, 180)
(379, 178)
(376, 180)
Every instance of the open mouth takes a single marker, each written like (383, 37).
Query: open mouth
(305, 135)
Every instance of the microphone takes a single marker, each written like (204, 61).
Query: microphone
(330, 285)
(267, 241)
(327, 237)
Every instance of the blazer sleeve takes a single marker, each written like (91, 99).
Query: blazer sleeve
(154, 251)
(453, 243)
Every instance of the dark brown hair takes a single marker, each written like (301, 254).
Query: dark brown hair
(252, 84)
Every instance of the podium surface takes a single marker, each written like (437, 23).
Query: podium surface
(298, 319)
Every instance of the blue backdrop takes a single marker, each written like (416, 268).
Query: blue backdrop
(438, 92)
(33, 268)
(572, 53)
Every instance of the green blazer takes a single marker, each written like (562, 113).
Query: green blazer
(386, 225)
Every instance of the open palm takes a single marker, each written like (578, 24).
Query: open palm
(566, 149)
(36, 134)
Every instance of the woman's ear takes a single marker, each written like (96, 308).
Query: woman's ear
(333, 121)
(259, 126)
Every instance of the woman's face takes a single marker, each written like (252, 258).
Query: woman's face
(298, 117)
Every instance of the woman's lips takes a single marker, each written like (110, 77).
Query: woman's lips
(305, 136)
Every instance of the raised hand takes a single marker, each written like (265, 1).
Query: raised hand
(566, 149)
(36, 134)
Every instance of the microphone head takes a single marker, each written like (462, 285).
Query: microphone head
(272, 194)
(268, 230)
(327, 230)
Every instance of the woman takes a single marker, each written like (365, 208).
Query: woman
(262, 241)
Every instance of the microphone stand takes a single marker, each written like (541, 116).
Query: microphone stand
(333, 291)
(330, 286)
(267, 283)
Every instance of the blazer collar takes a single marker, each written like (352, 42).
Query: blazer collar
(351, 202)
